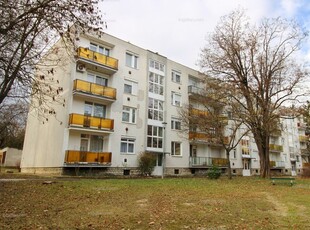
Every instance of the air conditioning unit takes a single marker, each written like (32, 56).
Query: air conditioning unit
(80, 68)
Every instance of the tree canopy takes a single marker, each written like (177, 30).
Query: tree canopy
(259, 62)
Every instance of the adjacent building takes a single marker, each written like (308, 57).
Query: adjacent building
(121, 100)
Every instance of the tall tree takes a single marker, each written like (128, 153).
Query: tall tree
(258, 61)
(214, 116)
(28, 28)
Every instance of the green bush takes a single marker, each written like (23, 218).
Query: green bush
(214, 172)
(146, 163)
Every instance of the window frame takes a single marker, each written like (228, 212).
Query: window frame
(174, 122)
(155, 134)
(175, 75)
(127, 141)
(133, 85)
(173, 148)
(156, 83)
(174, 97)
(105, 51)
(132, 112)
(131, 60)
(155, 106)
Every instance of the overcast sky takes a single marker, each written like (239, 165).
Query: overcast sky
(177, 28)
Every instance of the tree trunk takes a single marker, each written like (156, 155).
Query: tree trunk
(263, 152)
(228, 165)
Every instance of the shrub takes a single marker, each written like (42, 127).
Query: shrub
(306, 172)
(146, 163)
(214, 172)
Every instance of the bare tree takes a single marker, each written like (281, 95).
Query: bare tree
(258, 60)
(215, 116)
(28, 28)
(12, 124)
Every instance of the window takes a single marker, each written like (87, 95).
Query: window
(132, 60)
(92, 143)
(156, 110)
(93, 109)
(175, 124)
(157, 65)
(129, 114)
(128, 145)
(154, 136)
(175, 148)
(176, 99)
(176, 76)
(130, 87)
(156, 83)
(97, 79)
(99, 49)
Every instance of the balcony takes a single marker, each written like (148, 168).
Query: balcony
(86, 158)
(301, 125)
(89, 89)
(303, 138)
(198, 112)
(276, 133)
(194, 90)
(97, 61)
(205, 162)
(206, 138)
(79, 121)
(276, 164)
(275, 148)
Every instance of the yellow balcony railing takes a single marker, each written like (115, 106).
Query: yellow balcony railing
(91, 122)
(94, 89)
(303, 138)
(275, 148)
(198, 112)
(305, 165)
(98, 58)
(206, 138)
(73, 156)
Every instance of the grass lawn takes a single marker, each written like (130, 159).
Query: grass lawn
(172, 203)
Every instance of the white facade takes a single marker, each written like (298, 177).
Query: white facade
(121, 100)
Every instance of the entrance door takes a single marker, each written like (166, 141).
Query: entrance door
(246, 167)
(294, 169)
(158, 169)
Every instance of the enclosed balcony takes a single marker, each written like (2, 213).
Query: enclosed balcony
(86, 158)
(205, 162)
(84, 122)
(97, 61)
(276, 164)
(275, 148)
(92, 90)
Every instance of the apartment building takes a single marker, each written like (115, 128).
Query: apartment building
(121, 100)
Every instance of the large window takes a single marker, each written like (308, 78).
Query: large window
(175, 124)
(99, 49)
(132, 60)
(129, 114)
(156, 110)
(91, 143)
(176, 76)
(175, 148)
(176, 99)
(93, 78)
(154, 136)
(130, 87)
(94, 109)
(128, 145)
(157, 65)
(156, 83)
